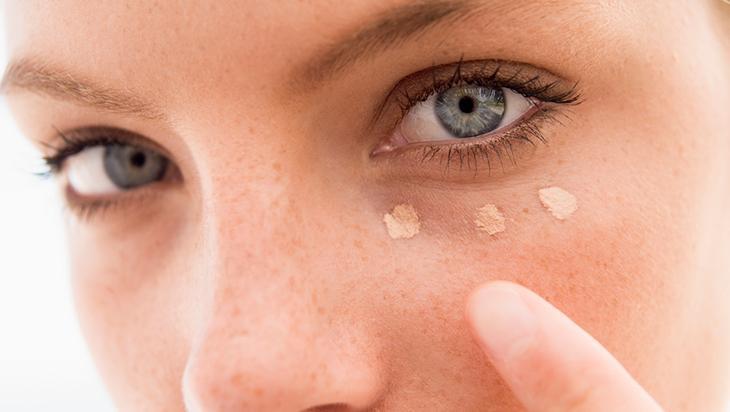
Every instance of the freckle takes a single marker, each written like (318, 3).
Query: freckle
(490, 219)
(402, 222)
(525, 210)
(559, 202)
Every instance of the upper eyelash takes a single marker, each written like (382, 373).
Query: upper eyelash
(552, 95)
(532, 87)
(76, 141)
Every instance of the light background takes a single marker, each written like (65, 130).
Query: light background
(44, 365)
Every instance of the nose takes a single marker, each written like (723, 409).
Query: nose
(280, 364)
(277, 334)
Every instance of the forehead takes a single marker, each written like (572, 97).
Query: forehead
(125, 33)
(239, 47)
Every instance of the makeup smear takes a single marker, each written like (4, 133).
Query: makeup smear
(559, 202)
(490, 219)
(402, 222)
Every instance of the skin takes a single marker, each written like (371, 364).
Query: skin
(263, 278)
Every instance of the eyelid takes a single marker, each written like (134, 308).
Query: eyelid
(75, 140)
(480, 138)
(550, 93)
(526, 79)
(468, 160)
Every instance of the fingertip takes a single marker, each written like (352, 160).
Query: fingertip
(483, 291)
(501, 321)
(549, 362)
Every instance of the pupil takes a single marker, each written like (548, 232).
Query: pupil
(138, 159)
(466, 104)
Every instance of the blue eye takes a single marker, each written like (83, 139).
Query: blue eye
(129, 167)
(468, 111)
(464, 111)
(106, 169)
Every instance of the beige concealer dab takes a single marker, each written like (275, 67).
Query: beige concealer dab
(490, 219)
(402, 222)
(558, 201)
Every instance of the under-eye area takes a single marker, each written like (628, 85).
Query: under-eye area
(478, 117)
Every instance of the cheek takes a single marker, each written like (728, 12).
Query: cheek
(619, 270)
(128, 295)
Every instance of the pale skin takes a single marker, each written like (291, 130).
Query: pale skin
(258, 275)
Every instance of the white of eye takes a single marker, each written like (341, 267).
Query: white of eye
(86, 174)
(421, 124)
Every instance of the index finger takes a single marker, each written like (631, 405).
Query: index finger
(549, 362)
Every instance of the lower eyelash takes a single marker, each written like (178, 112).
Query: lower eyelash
(490, 150)
(85, 211)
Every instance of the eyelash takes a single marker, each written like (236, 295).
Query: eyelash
(532, 87)
(78, 140)
(75, 142)
(468, 152)
(527, 129)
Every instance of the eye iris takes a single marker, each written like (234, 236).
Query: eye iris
(129, 166)
(468, 111)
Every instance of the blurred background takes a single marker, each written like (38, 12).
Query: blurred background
(44, 365)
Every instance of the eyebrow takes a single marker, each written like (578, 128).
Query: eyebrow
(42, 78)
(387, 30)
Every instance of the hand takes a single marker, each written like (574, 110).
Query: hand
(548, 361)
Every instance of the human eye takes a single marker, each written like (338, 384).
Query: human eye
(101, 167)
(472, 115)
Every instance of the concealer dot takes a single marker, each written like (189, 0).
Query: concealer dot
(402, 222)
(490, 219)
(559, 202)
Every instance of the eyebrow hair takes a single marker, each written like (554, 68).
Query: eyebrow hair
(35, 76)
(387, 30)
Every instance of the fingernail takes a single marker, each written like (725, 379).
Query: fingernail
(502, 321)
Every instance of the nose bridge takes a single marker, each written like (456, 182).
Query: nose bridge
(252, 201)
(269, 341)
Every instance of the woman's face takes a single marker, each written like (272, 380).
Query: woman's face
(252, 269)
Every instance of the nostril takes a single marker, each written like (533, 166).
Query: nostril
(330, 407)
